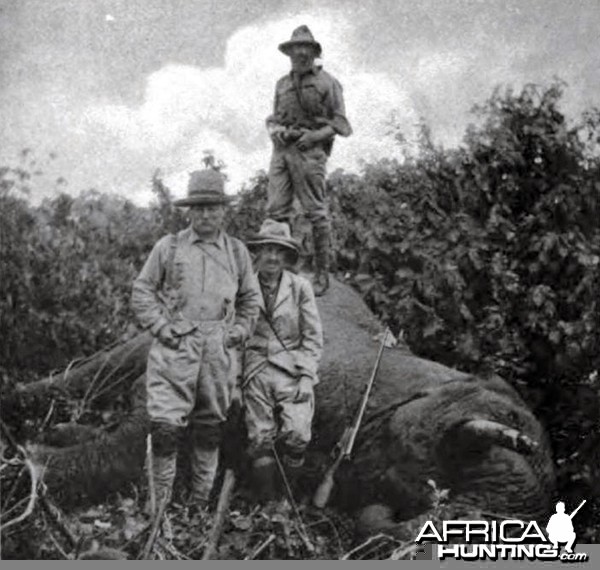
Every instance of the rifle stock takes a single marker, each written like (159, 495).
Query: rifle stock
(323, 492)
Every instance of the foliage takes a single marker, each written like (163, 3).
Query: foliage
(67, 268)
(487, 257)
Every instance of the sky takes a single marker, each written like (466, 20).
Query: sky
(115, 89)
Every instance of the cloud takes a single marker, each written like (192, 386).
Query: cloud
(186, 110)
(87, 96)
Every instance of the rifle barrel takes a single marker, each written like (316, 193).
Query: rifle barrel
(365, 399)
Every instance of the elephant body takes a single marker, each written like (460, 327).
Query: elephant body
(413, 429)
(424, 421)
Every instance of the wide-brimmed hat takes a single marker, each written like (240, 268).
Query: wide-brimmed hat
(301, 35)
(273, 232)
(205, 187)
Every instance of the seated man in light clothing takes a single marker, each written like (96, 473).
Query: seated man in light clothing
(281, 360)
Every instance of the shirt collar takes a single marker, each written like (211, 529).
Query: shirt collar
(312, 71)
(193, 237)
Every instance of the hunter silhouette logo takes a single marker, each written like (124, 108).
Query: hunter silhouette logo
(560, 527)
(506, 539)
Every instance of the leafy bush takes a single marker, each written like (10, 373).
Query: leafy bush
(487, 256)
(67, 269)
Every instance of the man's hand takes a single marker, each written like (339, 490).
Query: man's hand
(234, 337)
(304, 391)
(167, 336)
(277, 133)
(308, 140)
(311, 138)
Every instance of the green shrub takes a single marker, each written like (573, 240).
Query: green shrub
(487, 256)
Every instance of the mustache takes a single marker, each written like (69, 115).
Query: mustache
(262, 262)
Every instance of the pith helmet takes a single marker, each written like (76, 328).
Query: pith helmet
(301, 35)
(205, 187)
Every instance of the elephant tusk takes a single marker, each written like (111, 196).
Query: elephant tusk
(499, 434)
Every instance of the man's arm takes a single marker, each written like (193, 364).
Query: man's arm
(276, 130)
(145, 302)
(311, 345)
(247, 301)
(335, 124)
(338, 121)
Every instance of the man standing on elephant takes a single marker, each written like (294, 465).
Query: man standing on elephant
(280, 360)
(308, 112)
(199, 297)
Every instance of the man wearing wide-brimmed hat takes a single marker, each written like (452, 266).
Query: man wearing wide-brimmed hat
(308, 112)
(281, 360)
(199, 297)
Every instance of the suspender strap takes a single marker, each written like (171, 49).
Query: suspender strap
(171, 261)
(270, 323)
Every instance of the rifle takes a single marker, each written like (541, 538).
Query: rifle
(346, 442)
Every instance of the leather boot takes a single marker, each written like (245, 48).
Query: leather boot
(321, 241)
(165, 440)
(264, 471)
(164, 475)
(204, 469)
(292, 463)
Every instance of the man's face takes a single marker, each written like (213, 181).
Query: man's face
(270, 260)
(207, 219)
(302, 56)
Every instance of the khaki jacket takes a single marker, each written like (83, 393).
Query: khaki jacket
(294, 339)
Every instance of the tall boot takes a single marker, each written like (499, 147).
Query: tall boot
(321, 241)
(164, 470)
(293, 463)
(165, 441)
(205, 462)
(264, 470)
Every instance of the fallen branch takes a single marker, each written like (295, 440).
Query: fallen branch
(367, 543)
(58, 546)
(402, 551)
(33, 495)
(155, 528)
(261, 547)
(150, 471)
(300, 523)
(222, 508)
(56, 519)
(172, 550)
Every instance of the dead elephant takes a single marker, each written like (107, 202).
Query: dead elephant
(424, 421)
